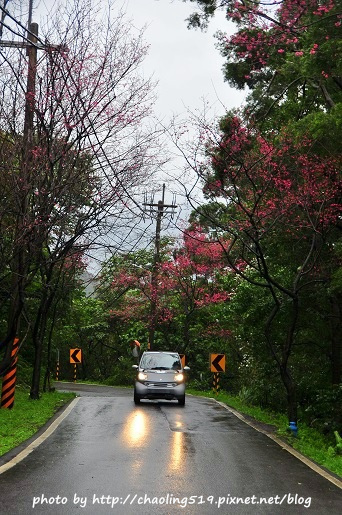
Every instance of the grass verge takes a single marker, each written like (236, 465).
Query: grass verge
(28, 416)
(309, 442)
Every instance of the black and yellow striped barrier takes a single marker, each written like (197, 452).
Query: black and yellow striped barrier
(216, 381)
(9, 379)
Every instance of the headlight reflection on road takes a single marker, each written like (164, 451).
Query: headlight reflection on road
(136, 429)
(177, 455)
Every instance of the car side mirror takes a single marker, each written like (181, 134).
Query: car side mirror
(135, 366)
(186, 368)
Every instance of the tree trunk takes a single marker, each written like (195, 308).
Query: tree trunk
(38, 339)
(282, 361)
(47, 376)
(291, 393)
(19, 279)
(38, 346)
(336, 338)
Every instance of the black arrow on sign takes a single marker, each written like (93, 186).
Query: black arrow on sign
(216, 363)
(74, 356)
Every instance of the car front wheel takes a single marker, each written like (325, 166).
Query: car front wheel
(181, 401)
(136, 398)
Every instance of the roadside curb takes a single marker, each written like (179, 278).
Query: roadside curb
(311, 464)
(14, 456)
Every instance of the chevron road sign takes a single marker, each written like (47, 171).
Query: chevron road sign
(75, 356)
(217, 362)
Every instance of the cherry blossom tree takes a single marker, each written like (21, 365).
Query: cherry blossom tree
(270, 172)
(287, 53)
(259, 189)
(71, 180)
(187, 282)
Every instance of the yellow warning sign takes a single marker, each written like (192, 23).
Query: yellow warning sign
(217, 362)
(75, 356)
(183, 360)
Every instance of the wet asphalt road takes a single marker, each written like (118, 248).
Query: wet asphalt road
(109, 456)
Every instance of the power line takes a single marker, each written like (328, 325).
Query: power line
(32, 36)
(159, 209)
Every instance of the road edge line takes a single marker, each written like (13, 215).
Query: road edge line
(284, 445)
(40, 439)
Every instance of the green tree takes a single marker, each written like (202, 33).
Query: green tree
(69, 167)
(288, 55)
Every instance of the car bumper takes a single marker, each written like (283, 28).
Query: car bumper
(150, 390)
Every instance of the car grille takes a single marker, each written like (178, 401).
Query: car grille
(161, 384)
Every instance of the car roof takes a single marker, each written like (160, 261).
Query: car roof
(159, 352)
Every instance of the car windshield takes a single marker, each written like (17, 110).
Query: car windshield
(160, 362)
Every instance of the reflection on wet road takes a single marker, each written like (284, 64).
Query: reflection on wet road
(137, 433)
(136, 429)
(110, 456)
(177, 452)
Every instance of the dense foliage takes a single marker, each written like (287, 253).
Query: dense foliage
(256, 273)
(271, 174)
(73, 152)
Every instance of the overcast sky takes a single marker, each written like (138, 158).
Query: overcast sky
(188, 68)
(185, 62)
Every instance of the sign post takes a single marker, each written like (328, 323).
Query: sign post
(75, 359)
(217, 365)
(57, 366)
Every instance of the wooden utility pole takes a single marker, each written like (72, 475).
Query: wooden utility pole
(159, 209)
(19, 258)
(19, 268)
(19, 271)
(31, 51)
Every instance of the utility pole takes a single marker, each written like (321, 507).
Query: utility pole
(32, 46)
(19, 266)
(31, 52)
(159, 209)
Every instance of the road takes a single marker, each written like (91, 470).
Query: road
(110, 456)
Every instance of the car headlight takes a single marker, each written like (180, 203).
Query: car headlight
(142, 376)
(179, 378)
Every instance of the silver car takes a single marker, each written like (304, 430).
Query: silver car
(160, 375)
